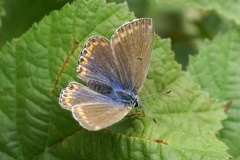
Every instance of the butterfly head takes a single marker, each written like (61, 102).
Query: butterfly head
(137, 103)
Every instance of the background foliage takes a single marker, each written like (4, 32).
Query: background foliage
(40, 42)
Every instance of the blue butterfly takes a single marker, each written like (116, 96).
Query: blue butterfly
(114, 72)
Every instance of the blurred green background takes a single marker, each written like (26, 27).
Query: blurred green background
(187, 28)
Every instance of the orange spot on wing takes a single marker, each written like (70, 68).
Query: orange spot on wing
(67, 100)
(75, 87)
(69, 104)
(104, 44)
(95, 43)
(82, 73)
(69, 93)
(88, 54)
(90, 48)
(123, 35)
(68, 96)
(83, 60)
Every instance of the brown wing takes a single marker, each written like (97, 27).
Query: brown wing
(132, 44)
(97, 116)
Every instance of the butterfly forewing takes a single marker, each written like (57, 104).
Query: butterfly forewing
(132, 44)
(97, 65)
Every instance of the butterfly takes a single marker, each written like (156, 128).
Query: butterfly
(114, 72)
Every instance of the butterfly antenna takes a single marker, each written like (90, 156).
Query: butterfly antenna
(149, 114)
(155, 94)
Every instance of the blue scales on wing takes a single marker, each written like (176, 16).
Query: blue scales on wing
(97, 66)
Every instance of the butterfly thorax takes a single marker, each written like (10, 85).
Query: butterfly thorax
(128, 98)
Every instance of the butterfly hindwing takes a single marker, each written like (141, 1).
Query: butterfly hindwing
(92, 110)
(77, 94)
(97, 116)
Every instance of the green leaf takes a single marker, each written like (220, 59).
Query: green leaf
(216, 69)
(37, 66)
(229, 8)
